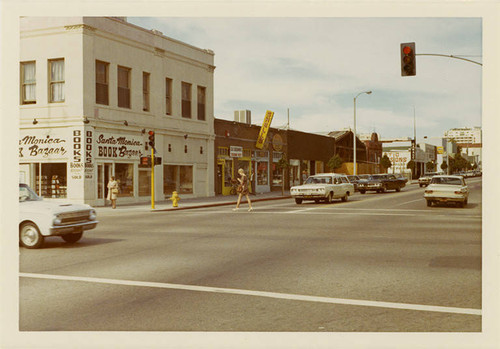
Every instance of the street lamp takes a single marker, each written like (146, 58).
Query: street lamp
(354, 136)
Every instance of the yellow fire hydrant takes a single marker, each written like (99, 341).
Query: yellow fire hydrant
(175, 199)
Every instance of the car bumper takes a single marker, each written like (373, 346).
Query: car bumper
(72, 228)
(309, 196)
(446, 198)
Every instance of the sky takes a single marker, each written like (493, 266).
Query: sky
(308, 70)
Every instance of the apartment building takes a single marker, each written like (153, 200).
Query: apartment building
(91, 90)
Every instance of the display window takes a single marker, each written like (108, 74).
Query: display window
(228, 173)
(52, 181)
(262, 170)
(124, 175)
(177, 178)
(144, 182)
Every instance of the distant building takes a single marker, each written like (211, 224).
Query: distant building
(465, 135)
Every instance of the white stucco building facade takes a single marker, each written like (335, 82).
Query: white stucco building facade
(91, 88)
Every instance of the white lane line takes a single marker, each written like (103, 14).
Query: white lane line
(295, 297)
(409, 202)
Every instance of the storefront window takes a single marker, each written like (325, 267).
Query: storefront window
(144, 183)
(228, 173)
(177, 178)
(262, 173)
(53, 181)
(277, 174)
(124, 175)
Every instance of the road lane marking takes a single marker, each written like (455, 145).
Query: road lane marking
(408, 202)
(275, 295)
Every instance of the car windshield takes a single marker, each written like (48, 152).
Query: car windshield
(316, 180)
(27, 194)
(377, 176)
(446, 180)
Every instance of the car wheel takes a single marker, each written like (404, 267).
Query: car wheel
(420, 185)
(29, 235)
(72, 238)
(345, 197)
(398, 189)
(329, 198)
(429, 203)
(298, 201)
(362, 191)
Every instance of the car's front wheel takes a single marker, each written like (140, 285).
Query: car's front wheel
(398, 189)
(362, 191)
(329, 198)
(29, 235)
(429, 203)
(72, 238)
(298, 201)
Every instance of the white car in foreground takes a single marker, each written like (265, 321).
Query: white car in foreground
(39, 219)
(445, 189)
(323, 186)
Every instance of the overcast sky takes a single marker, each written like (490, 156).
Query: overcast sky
(316, 66)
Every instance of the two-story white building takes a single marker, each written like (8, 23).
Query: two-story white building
(91, 89)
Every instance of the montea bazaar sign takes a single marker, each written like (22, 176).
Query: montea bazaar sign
(264, 129)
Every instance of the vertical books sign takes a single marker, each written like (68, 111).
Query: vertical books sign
(264, 129)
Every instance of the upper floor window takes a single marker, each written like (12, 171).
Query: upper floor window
(168, 96)
(56, 81)
(123, 87)
(186, 100)
(145, 91)
(28, 82)
(102, 83)
(201, 103)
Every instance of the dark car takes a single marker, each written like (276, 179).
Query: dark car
(354, 180)
(381, 183)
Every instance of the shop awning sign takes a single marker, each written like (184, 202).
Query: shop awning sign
(236, 152)
(264, 129)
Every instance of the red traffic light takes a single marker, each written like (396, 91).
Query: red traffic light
(152, 138)
(151, 133)
(408, 63)
(407, 50)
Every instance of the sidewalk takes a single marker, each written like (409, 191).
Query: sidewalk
(185, 204)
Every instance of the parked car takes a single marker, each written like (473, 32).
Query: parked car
(323, 186)
(40, 218)
(447, 189)
(354, 180)
(426, 178)
(381, 183)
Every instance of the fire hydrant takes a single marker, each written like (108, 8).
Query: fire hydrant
(175, 199)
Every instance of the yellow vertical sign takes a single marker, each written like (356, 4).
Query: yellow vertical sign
(264, 129)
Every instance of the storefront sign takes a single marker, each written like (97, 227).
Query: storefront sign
(440, 150)
(264, 129)
(236, 152)
(119, 146)
(277, 142)
(36, 145)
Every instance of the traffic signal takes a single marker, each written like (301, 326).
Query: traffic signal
(408, 64)
(152, 138)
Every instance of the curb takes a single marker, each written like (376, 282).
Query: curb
(218, 204)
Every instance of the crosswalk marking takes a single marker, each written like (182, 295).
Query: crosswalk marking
(275, 295)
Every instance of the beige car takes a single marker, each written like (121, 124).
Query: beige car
(447, 189)
(323, 187)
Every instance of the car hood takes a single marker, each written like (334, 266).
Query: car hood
(55, 207)
(310, 186)
(369, 181)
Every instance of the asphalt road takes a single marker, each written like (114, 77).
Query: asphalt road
(377, 263)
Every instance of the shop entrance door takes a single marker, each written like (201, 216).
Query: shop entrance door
(104, 171)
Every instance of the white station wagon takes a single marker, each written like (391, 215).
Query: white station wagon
(39, 219)
(445, 189)
(323, 186)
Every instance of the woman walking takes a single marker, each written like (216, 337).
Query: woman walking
(243, 190)
(112, 191)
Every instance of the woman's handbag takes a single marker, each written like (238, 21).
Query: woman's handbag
(239, 189)
(114, 191)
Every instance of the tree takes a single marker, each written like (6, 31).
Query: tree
(335, 162)
(429, 166)
(385, 162)
(411, 165)
(283, 164)
(444, 166)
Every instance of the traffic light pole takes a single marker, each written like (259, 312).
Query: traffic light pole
(152, 178)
